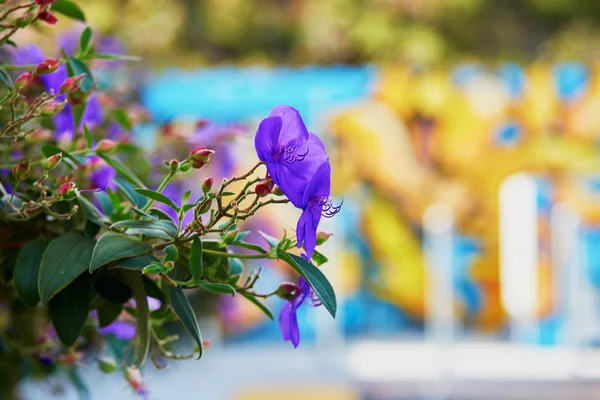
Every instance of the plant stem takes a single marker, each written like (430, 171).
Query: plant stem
(162, 185)
(234, 255)
(37, 162)
(19, 67)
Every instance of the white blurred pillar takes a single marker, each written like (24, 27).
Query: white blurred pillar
(518, 219)
(439, 289)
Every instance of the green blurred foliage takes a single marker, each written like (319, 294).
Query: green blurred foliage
(351, 31)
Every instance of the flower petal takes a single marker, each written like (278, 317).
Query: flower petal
(286, 177)
(293, 130)
(319, 185)
(265, 140)
(285, 320)
(306, 230)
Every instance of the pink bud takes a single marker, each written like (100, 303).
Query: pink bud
(208, 184)
(199, 157)
(47, 66)
(206, 343)
(174, 165)
(64, 179)
(40, 135)
(24, 80)
(105, 146)
(52, 107)
(52, 161)
(264, 187)
(322, 237)
(67, 191)
(70, 358)
(22, 170)
(47, 17)
(287, 290)
(72, 84)
(44, 2)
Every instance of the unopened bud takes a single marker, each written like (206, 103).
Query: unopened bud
(287, 290)
(185, 167)
(206, 343)
(155, 269)
(205, 207)
(231, 236)
(39, 135)
(44, 2)
(277, 191)
(47, 66)
(25, 20)
(52, 107)
(105, 146)
(207, 184)
(70, 358)
(107, 364)
(322, 237)
(264, 187)
(22, 170)
(199, 157)
(47, 17)
(72, 84)
(133, 377)
(67, 191)
(24, 80)
(169, 265)
(52, 161)
(174, 165)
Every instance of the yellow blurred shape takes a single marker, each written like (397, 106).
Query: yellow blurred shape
(299, 393)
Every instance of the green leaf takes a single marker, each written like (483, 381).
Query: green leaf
(186, 197)
(78, 382)
(89, 139)
(85, 40)
(161, 198)
(65, 258)
(236, 267)
(258, 304)
(186, 315)
(196, 266)
(69, 310)
(69, 9)
(113, 57)
(122, 118)
(78, 113)
(105, 203)
(114, 246)
(27, 269)
(137, 199)
(108, 312)
(160, 214)
(270, 239)
(250, 246)
(187, 208)
(217, 287)
(171, 253)
(136, 263)
(166, 226)
(152, 290)
(315, 278)
(122, 169)
(79, 68)
(5, 78)
(50, 150)
(319, 258)
(93, 214)
(112, 288)
(142, 316)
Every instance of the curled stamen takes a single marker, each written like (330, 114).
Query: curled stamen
(290, 153)
(328, 209)
(103, 188)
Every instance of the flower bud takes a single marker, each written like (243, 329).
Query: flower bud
(24, 80)
(67, 191)
(52, 161)
(199, 157)
(207, 184)
(264, 187)
(174, 166)
(231, 236)
(64, 179)
(47, 17)
(107, 364)
(277, 191)
(185, 167)
(105, 146)
(72, 84)
(169, 265)
(47, 66)
(322, 237)
(52, 107)
(44, 2)
(205, 207)
(154, 269)
(39, 135)
(133, 377)
(70, 358)
(21, 170)
(24, 20)
(206, 343)
(81, 143)
(287, 290)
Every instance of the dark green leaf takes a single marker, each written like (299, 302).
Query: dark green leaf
(136, 263)
(188, 207)
(69, 9)
(79, 68)
(78, 382)
(93, 214)
(50, 150)
(142, 316)
(152, 289)
(108, 312)
(186, 315)
(112, 288)
(89, 140)
(161, 198)
(236, 267)
(166, 226)
(258, 304)
(78, 113)
(105, 202)
(241, 236)
(69, 310)
(160, 214)
(122, 169)
(114, 246)
(319, 258)
(85, 40)
(27, 269)
(122, 118)
(196, 266)
(315, 278)
(171, 253)
(250, 246)
(5, 78)
(217, 287)
(65, 258)
(137, 199)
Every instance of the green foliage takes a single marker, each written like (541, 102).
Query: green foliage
(69, 310)
(27, 269)
(68, 8)
(186, 315)
(114, 246)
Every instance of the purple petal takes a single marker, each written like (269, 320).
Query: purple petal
(293, 130)
(93, 114)
(290, 182)
(64, 125)
(266, 138)
(120, 329)
(319, 185)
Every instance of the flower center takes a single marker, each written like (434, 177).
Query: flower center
(289, 153)
(328, 209)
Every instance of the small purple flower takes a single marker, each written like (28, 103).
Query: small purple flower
(120, 329)
(288, 320)
(315, 203)
(290, 152)
(101, 174)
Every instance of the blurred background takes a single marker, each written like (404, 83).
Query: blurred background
(463, 136)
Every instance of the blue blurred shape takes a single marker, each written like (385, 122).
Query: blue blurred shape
(571, 80)
(509, 133)
(463, 73)
(513, 77)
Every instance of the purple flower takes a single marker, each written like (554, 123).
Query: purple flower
(120, 329)
(290, 152)
(288, 320)
(101, 173)
(315, 203)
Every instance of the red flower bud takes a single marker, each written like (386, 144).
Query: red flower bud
(287, 290)
(22, 170)
(44, 2)
(264, 187)
(72, 84)
(67, 191)
(206, 343)
(105, 146)
(207, 184)
(40, 135)
(52, 161)
(24, 80)
(52, 107)
(64, 179)
(70, 358)
(47, 17)
(174, 165)
(47, 66)
(199, 157)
